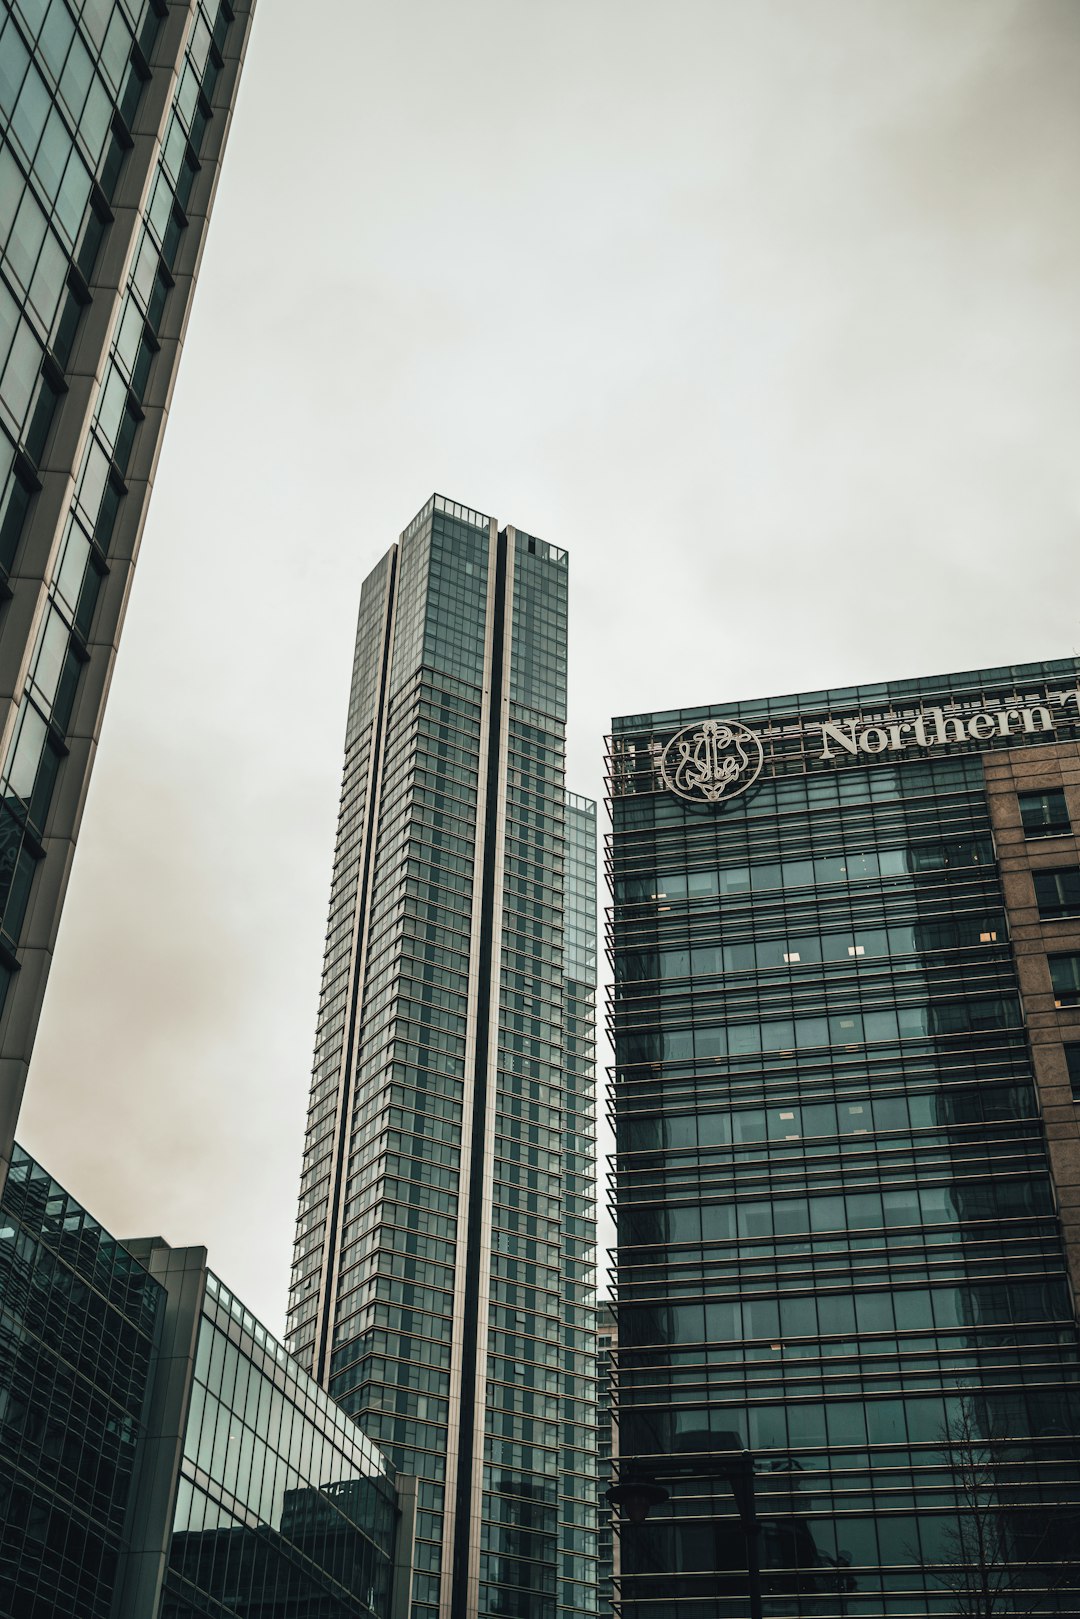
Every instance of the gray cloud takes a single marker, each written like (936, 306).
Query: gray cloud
(767, 312)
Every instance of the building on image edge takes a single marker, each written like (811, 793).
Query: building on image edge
(846, 1017)
(113, 121)
(161, 1455)
(443, 1287)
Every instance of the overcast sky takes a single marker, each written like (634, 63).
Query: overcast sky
(767, 312)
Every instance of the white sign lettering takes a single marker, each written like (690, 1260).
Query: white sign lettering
(934, 728)
(718, 759)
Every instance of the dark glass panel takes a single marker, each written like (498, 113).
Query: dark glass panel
(1057, 892)
(1044, 814)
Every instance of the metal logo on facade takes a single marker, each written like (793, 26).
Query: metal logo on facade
(712, 761)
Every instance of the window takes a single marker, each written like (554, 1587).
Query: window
(1072, 1062)
(1045, 814)
(1057, 893)
(1065, 977)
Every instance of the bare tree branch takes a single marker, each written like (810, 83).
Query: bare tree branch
(1005, 1554)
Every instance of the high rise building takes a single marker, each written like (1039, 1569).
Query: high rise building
(846, 1015)
(113, 117)
(443, 1286)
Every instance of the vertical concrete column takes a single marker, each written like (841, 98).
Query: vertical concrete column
(182, 1272)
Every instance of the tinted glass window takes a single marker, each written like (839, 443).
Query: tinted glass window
(1072, 1060)
(1045, 814)
(1065, 977)
(1057, 893)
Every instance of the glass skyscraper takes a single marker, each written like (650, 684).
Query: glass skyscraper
(443, 1286)
(846, 1016)
(113, 117)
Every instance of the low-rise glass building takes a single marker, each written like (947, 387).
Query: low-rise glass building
(846, 1017)
(161, 1455)
(78, 1325)
(257, 1495)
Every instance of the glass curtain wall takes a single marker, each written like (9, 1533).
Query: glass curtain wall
(283, 1506)
(443, 1281)
(78, 1319)
(112, 116)
(838, 1241)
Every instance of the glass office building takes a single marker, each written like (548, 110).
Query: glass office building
(113, 117)
(846, 1016)
(443, 1286)
(161, 1455)
(255, 1494)
(78, 1327)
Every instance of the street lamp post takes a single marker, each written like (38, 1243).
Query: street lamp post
(637, 1494)
(742, 1484)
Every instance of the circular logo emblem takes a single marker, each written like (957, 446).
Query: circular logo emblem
(712, 761)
